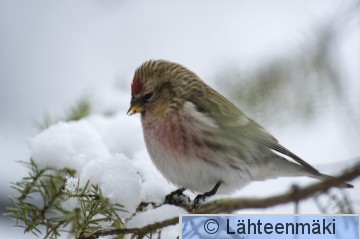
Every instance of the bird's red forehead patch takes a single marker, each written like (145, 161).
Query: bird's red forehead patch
(136, 86)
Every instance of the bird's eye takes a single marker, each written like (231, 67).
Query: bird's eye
(148, 96)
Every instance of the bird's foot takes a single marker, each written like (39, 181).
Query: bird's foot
(205, 195)
(177, 198)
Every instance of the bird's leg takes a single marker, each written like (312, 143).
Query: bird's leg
(176, 197)
(207, 194)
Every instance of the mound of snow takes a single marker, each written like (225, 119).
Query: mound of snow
(71, 145)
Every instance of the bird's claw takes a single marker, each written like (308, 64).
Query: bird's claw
(177, 197)
(198, 198)
(207, 194)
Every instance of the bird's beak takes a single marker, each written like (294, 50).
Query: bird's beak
(135, 108)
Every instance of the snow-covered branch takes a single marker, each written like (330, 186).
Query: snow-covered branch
(296, 194)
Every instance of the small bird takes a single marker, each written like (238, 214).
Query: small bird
(201, 141)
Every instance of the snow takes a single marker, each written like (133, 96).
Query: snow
(113, 130)
(90, 146)
(71, 183)
(80, 146)
(158, 214)
(151, 216)
(70, 145)
(117, 178)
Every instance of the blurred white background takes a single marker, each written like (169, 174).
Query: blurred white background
(52, 53)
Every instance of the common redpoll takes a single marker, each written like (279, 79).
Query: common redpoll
(201, 141)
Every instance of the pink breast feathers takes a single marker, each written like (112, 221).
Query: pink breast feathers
(168, 134)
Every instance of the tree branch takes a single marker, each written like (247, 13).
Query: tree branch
(140, 232)
(230, 205)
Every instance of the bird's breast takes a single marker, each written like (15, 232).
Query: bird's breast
(169, 135)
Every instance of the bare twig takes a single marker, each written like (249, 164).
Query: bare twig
(140, 232)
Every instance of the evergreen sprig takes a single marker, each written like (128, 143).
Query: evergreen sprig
(41, 208)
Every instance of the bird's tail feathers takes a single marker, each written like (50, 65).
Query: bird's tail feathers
(282, 167)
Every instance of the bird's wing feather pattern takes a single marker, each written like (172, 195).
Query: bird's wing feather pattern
(232, 123)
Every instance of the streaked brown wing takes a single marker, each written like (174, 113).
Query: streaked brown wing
(233, 124)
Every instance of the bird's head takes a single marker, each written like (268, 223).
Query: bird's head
(159, 86)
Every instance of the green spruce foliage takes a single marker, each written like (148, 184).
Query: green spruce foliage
(42, 206)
